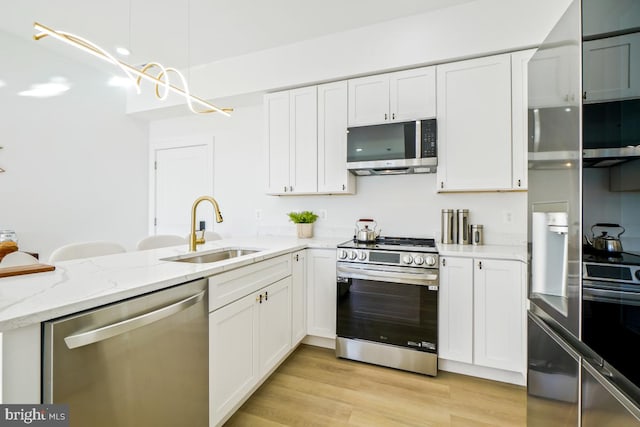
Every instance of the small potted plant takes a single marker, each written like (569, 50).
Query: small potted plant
(304, 222)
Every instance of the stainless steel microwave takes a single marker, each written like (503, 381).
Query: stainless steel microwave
(393, 148)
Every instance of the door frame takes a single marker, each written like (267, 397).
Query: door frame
(169, 143)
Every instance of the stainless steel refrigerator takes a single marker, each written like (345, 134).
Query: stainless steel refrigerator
(574, 103)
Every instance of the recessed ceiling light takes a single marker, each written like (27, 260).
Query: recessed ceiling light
(358, 149)
(123, 51)
(2, 83)
(56, 86)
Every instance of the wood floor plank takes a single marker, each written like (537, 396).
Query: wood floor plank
(314, 388)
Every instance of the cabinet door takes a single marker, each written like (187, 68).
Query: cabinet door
(499, 314)
(474, 124)
(321, 282)
(369, 100)
(551, 77)
(412, 94)
(455, 309)
(611, 68)
(298, 297)
(333, 176)
(519, 130)
(233, 362)
(276, 108)
(275, 324)
(304, 140)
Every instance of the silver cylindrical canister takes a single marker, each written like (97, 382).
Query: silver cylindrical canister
(477, 237)
(448, 226)
(463, 227)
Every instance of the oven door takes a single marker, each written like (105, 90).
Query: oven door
(611, 324)
(391, 305)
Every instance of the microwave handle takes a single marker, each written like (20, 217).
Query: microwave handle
(418, 139)
(536, 130)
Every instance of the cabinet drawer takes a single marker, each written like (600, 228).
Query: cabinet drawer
(230, 286)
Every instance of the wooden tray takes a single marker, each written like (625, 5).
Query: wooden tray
(25, 269)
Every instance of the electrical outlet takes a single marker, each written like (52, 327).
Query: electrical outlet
(322, 213)
(507, 217)
(258, 213)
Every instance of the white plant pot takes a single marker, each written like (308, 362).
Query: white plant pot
(305, 231)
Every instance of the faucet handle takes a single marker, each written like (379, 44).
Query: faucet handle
(200, 240)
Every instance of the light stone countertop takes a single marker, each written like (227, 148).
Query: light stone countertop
(83, 284)
(507, 252)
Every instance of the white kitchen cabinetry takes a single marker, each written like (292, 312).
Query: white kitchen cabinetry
(519, 118)
(321, 288)
(482, 312)
(455, 309)
(247, 338)
(482, 124)
(298, 297)
(474, 124)
(400, 96)
(553, 81)
(333, 176)
(292, 141)
(612, 68)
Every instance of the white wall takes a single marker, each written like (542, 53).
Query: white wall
(471, 29)
(76, 165)
(402, 205)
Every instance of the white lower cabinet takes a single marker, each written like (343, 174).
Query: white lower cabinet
(298, 297)
(321, 288)
(482, 312)
(248, 338)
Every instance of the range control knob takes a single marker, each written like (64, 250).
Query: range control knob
(407, 259)
(352, 255)
(430, 260)
(362, 256)
(638, 274)
(342, 254)
(418, 260)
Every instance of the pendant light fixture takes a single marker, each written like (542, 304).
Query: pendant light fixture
(161, 80)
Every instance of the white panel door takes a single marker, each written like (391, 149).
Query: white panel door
(474, 124)
(455, 309)
(333, 176)
(412, 94)
(321, 288)
(275, 324)
(499, 314)
(519, 117)
(182, 173)
(276, 108)
(233, 355)
(612, 68)
(369, 100)
(298, 297)
(303, 122)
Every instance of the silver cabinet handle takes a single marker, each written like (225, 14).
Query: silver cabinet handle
(285, 188)
(480, 265)
(519, 183)
(344, 187)
(444, 262)
(118, 328)
(385, 116)
(290, 188)
(393, 116)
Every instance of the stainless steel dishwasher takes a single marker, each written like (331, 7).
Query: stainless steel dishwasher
(141, 362)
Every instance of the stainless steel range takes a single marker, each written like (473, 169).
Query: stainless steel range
(387, 304)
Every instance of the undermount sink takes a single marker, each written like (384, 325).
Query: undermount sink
(207, 257)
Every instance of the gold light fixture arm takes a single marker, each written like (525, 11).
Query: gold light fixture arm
(161, 80)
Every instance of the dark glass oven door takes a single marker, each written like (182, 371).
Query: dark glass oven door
(385, 310)
(611, 324)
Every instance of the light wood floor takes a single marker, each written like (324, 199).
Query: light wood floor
(313, 388)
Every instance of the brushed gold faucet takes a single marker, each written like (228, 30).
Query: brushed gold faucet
(193, 240)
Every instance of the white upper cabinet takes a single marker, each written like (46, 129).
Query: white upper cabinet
(519, 117)
(474, 124)
(400, 96)
(333, 176)
(612, 68)
(292, 141)
(553, 81)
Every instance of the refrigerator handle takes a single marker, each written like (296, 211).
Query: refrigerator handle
(118, 328)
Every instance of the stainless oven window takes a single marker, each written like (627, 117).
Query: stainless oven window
(382, 142)
(398, 314)
(611, 325)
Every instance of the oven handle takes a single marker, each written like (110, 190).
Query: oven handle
(421, 279)
(610, 296)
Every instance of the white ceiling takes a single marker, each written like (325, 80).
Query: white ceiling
(191, 32)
